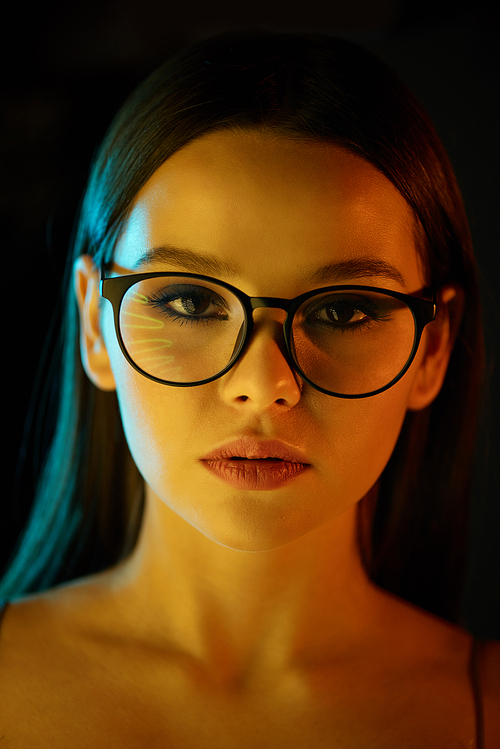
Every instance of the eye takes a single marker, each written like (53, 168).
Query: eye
(341, 313)
(194, 304)
(190, 303)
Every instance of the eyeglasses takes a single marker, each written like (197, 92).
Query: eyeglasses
(184, 329)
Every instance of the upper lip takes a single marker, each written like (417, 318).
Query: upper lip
(245, 447)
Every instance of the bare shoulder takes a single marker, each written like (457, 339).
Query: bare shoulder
(60, 605)
(451, 647)
(35, 625)
(490, 677)
(424, 635)
(51, 668)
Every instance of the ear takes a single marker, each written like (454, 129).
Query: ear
(93, 350)
(437, 344)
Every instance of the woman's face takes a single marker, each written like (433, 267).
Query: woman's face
(273, 211)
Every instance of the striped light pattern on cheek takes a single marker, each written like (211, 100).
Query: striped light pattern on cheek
(151, 352)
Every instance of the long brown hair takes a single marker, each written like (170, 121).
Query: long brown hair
(88, 505)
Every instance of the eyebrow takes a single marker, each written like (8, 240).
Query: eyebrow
(331, 273)
(187, 260)
(349, 270)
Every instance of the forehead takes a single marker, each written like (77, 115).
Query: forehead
(264, 203)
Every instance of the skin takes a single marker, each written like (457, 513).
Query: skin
(254, 606)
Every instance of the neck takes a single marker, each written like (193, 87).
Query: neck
(239, 611)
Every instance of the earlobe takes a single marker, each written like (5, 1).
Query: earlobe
(93, 350)
(437, 344)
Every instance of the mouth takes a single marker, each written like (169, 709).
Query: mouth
(247, 449)
(253, 465)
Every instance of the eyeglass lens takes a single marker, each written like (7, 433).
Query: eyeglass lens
(182, 330)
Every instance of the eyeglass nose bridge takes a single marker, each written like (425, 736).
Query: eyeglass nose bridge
(257, 302)
(260, 302)
(269, 301)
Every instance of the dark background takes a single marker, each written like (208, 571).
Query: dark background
(67, 67)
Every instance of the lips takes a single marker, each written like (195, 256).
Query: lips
(249, 449)
(256, 465)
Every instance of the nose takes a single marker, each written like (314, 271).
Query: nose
(262, 377)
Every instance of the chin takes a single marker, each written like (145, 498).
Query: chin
(261, 527)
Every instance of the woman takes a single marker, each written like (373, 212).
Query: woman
(243, 506)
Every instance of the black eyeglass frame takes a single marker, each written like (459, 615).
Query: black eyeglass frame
(114, 289)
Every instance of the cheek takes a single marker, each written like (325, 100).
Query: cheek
(142, 406)
(358, 437)
(164, 427)
(160, 425)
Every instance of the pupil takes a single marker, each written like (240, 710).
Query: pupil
(341, 314)
(194, 305)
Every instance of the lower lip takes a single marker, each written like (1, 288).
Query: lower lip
(262, 475)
